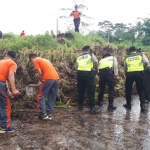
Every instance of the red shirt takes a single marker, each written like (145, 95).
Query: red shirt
(22, 34)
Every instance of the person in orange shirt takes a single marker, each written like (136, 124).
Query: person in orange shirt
(7, 70)
(76, 14)
(49, 81)
(22, 34)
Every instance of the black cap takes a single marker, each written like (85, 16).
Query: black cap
(86, 48)
(106, 55)
(139, 50)
(11, 53)
(132, 48)
(76, 6)
(32, 55)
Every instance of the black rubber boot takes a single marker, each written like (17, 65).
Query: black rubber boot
(94, 111)
(128, 106)
(143, 109)
(100, 103)
(111, 107)
(80, 107)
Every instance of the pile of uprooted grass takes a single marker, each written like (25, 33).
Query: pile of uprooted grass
(64, 61)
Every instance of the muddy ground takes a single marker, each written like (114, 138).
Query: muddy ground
(71, 129)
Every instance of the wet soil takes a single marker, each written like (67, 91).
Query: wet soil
(71, 129)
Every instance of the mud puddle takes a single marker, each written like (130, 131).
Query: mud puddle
(71, 129)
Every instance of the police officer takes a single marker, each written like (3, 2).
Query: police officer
(87, 65)
(146, 77)
(108, 70)
(134, 70)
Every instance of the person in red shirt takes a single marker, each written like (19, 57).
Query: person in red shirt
(7, 70)
(22, 33)
(76, 15)
(48, 85)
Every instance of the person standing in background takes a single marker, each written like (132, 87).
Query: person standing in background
(76, 14)
(1, 34)
(22, 34)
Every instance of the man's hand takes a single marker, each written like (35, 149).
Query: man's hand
(39, 84)
(117, 77)
(9, 93)
(15, 92)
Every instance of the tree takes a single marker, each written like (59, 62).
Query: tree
(107, 26)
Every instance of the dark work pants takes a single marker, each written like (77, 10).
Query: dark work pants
(85, 81)
(5, 107)
(147, 85)
(49, 89)
(106, 76)
(76, 24)
(138, 77)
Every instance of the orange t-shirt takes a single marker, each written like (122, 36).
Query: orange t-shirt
(76, 14)
(48, 71)
(6, 65)
(146, 54)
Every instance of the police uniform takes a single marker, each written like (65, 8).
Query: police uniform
(106, 73)
(134, 68)
(85, 79)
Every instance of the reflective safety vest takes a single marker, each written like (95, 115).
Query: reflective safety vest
(106, 62)
(134, 62)
(85, 62)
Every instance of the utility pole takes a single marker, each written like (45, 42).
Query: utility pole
(57, 26)
(108, 35)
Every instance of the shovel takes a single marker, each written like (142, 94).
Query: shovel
(29, 89)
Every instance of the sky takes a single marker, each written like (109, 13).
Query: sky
(39, 16)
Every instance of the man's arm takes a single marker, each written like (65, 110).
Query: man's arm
(145, 60)
(95, 61)
(71, 13)
(39, 74)
(11, 80)
(125, 67)
(115, 66)
(80, 13)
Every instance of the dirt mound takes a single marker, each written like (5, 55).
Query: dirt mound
(68, 36)
(64, 62)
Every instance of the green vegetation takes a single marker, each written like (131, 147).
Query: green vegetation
(46, 41)
(63, 56)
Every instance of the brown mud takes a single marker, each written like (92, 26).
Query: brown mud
(71, 129)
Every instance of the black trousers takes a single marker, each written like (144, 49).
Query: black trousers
(147, 85)
(76, 24)
(85, 81)
(138, 78)
(106, 76)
